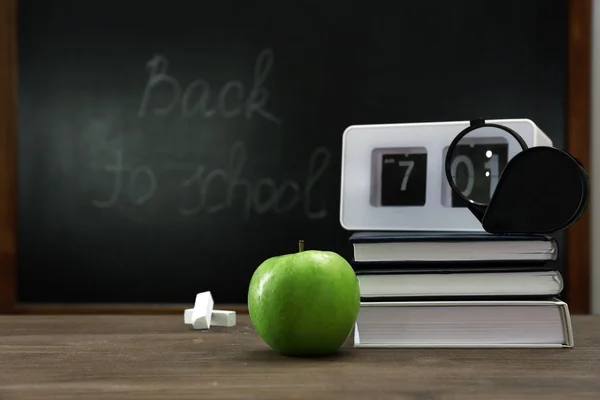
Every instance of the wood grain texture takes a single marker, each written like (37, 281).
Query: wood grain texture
(158, 357)
(578, 144)
(85, 309)
(8, 154)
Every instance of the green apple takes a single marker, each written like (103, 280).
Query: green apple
(305, 303)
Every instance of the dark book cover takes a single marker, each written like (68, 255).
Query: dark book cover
(418, 236)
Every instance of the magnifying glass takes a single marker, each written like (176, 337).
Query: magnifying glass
(511, 188)
(475, 160)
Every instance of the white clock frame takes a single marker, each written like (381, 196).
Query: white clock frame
(357, 213)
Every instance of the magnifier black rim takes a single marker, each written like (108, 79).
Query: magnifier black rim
(463, 133)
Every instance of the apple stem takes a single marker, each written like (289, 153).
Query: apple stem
(300, 246)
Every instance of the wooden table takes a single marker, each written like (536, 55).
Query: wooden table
(158, 357)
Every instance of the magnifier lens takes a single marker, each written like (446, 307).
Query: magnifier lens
(477, 162)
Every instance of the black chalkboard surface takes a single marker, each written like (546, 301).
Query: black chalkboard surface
(169, 148)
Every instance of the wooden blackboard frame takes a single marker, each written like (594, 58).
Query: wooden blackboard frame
(577, 143)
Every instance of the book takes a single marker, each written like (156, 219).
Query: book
(451, 246)
(456, 283)
(481, 324)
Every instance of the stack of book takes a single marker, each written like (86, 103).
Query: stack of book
(459, 289)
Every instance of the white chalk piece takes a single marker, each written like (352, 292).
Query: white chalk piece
(187, 316)
(218, 318)
(203, 308)
(223, 318)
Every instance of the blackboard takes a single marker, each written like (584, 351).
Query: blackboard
(169, 148)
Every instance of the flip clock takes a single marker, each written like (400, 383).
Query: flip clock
(393, 175)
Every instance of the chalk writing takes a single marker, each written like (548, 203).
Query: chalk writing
(195, 98)
(117, 169)
(259, 197)
(136, 174)
(228, 185)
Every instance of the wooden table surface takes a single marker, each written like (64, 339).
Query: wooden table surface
(158, 357)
